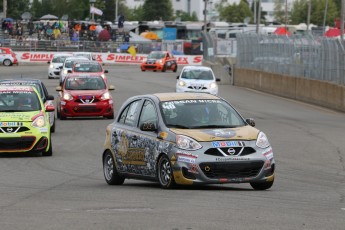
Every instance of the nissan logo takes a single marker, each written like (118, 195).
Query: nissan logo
(9, 130)
(231, 151)
(207, 168)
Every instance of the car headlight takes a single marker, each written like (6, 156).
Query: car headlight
(262, 141)
(39, 122)
(161, 62)
(102, 75)
(187, 143)
(106, 96)
(67, 96)
(65, 71)
(51, 66)
(181, 83)
(213, 85)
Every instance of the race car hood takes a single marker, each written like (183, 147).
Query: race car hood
(18, 116)
(76, 93)
(241, 133)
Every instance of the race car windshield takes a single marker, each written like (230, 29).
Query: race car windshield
(197, 74)
(155, 56)
(27, 83)
(17, 101)
(87, 67)
(197, 114)
(85, 83)
(59, 59)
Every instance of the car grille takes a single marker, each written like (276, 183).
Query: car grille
(87, 109)
(230, 151)
(150, 67)
(57, 72)
(86, 99)
(216, 170)
(16, 143)
(13, 129)
(197, 87)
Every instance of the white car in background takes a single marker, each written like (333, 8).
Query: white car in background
(68, 65)
(88, 55)
(197, 79)
(55, 64)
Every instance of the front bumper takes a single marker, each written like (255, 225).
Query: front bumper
(152, 67)
(54, 72)
(75, 109)
(199, 168)
(30, 141)
(189, 89)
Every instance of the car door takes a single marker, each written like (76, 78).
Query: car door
(135, 149)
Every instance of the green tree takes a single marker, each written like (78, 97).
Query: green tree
(318, 9)
(187, 17)
(235, 12)
(135, 14)
(16, 8)
(279, 11)
(36, 9)
(299, 11)
(157, 10)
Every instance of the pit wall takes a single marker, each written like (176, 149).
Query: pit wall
(311, 91)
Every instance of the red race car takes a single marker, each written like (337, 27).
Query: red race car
(159, 60)
(8, 57)
(85, 95)
(86, 66)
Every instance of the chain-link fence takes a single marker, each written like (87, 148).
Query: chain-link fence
(311, 57)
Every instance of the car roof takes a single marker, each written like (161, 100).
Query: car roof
(89, 75)
(21, 80)
(76, 58)
(197, 67)
(185, 96)
(16, 88)
(63, 54)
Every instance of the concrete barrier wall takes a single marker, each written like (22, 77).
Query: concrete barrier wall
(311, 91)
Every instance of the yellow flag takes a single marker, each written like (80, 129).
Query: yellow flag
(132, 51)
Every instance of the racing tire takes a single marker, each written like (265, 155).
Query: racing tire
(175, 68)
(110, 116)
(52, 129)
(164, 68)
(111, 175)
(142, 70)
(49, 153)
(58, 113)
(165, 173)
(7, 62)
(262, 186)
(62, 117)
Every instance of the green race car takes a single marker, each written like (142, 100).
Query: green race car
(24, 122)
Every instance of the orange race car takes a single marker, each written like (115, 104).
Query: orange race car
(159, 60)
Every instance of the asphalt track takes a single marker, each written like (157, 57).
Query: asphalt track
(68, 191)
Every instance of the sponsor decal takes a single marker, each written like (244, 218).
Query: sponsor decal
(225, 133)
(193, 168)
(130, 156)
(185, 159)
(8, 124)
(43, 130)
(267, 164)
(221, 144)
(232, 159)
(268, 154)
(36, 57)
(63, 103)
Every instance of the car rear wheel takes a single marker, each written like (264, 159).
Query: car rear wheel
(52, 129)
(7, 62)
(175, 68)
(262, 186)
(109, 169)
(164, 68)
(165, 173)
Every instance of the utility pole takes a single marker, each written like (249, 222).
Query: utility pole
(258, 17)
(286, 14)
(205, 15)
(325, 16)
(4, 8)
(308, 16)
(254, 11)
(116, 9)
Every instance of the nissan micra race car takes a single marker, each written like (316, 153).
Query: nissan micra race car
(186, 139)
(24, 123)
(159, 60)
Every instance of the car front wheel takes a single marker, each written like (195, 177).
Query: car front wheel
(7, 62)
(165, 173)
(109, 169)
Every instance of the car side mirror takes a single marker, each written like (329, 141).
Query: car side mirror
(58, 88)
(60, 67)
(69, 71)
(148, 126)
(106, 71)
(250, 121)
(178, 77)
(50, 97)
(50, 108)
(217, 79)
(111, 87)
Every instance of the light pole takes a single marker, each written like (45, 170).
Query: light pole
(92, 2)
(4, 8)
(205, 15)
(116, 8)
